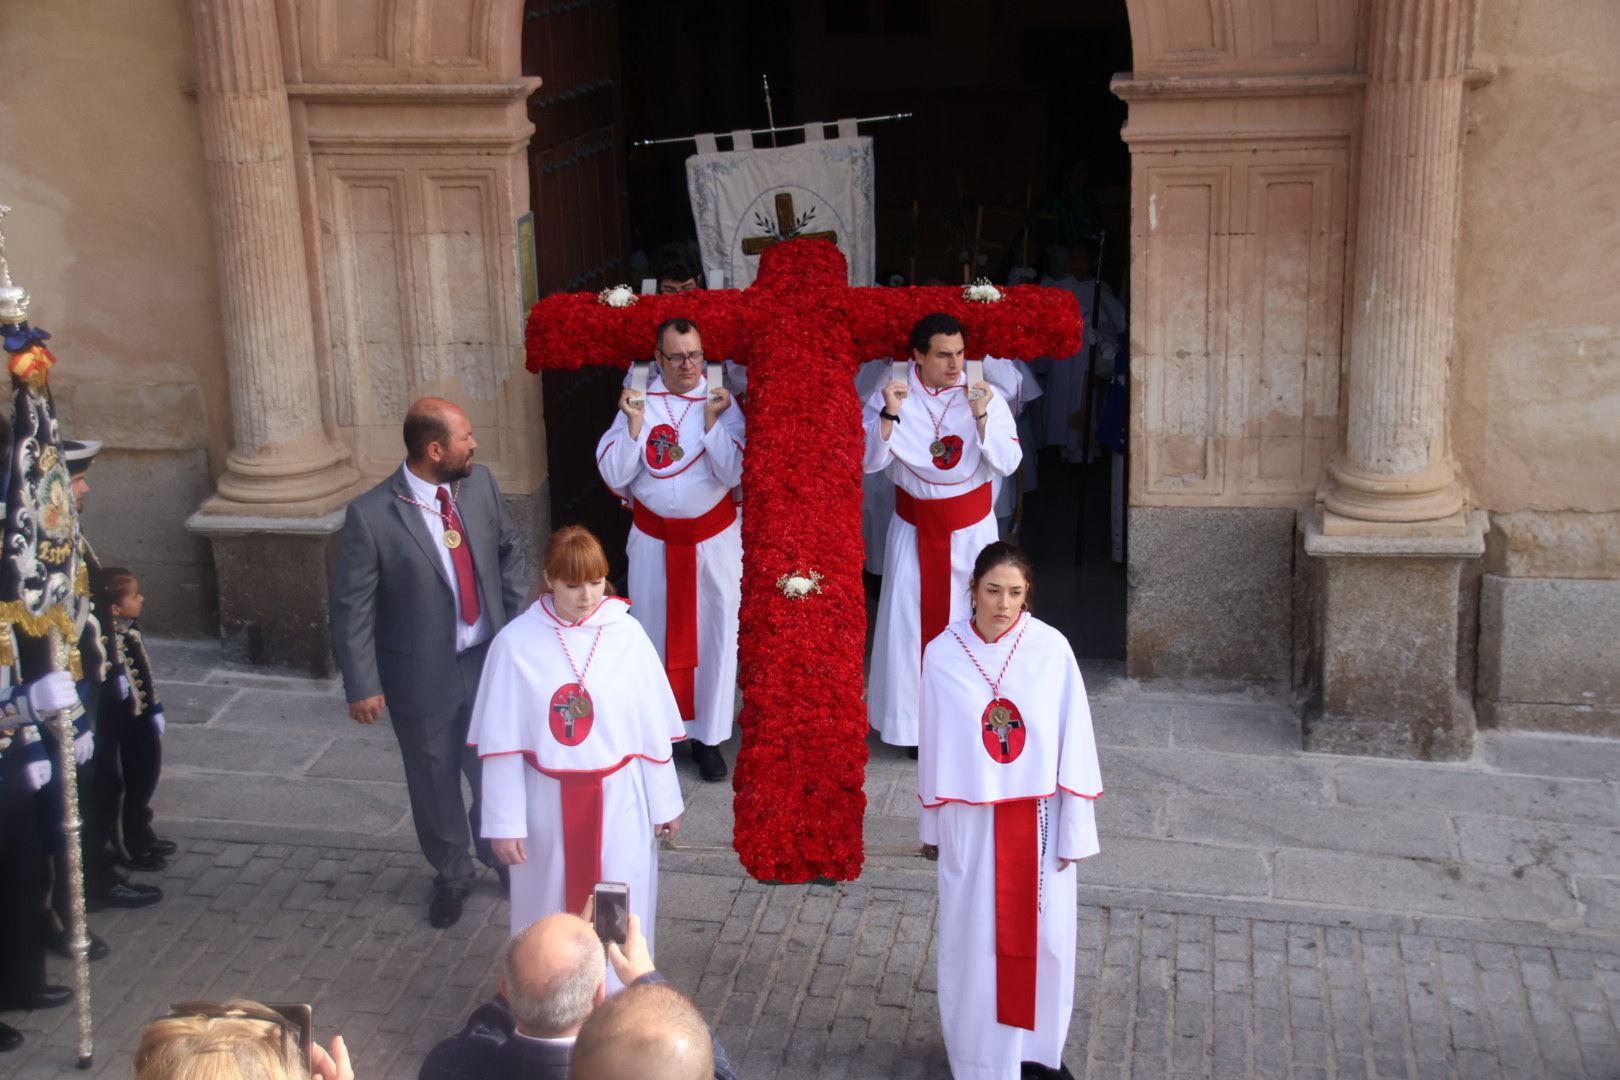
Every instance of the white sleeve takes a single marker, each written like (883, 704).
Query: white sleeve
(724, 445)
(505, 813)
(999, 443)
(664, 802)
(1076, 826)
(878, 455)
(928, 825)
(618, 456)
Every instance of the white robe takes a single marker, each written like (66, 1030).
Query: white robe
(958, 784)
(635, 722)
(1012, 378)
(891, 696)
(688, 488)
(1065, 379)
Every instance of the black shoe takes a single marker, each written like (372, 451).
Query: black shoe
(10, 1038)
(147, 862)
(911, 752)
(58, 944)
(445, 909)
(1034, 1070)
(122, 894)
(163, 848)
(711, 765)
(46, 997)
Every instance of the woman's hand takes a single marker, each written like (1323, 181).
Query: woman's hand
(510, 852)
(667, 830)
(1064, 864)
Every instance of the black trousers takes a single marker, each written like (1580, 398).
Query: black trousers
(140, 757)
(436, 757)
(22, 880)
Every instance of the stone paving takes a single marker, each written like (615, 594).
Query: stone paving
(1257, 912)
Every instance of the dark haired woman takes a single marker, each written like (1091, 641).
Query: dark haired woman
(1007, 771)
(574, 724)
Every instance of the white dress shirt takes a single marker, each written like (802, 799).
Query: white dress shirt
(428, 495)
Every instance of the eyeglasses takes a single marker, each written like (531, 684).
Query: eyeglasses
(683, 359)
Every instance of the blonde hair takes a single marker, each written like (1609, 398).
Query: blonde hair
(233, 1041)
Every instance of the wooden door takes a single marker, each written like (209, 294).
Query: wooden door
(576, 181)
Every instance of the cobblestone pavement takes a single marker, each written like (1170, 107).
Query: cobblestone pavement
(1343, 918)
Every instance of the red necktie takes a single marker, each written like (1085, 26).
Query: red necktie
(466, 579)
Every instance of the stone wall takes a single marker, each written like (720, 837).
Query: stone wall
(1537, 364)
(102, 162)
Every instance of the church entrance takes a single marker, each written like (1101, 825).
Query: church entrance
(1011, 161)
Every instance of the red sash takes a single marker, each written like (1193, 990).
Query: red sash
(681, 536)
(935, 520)
(582, 833)
(1017, 912)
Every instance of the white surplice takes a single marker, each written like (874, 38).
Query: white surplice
(1012, 378)
(709, 470)
(634, 724)
(958, 784)
(891, 696)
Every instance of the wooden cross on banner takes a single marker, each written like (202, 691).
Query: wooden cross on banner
(786, 226)
(803, 332)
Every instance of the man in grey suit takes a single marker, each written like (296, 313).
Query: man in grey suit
(428, 570)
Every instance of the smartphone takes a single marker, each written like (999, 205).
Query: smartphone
(302, 1016)
(612, 914)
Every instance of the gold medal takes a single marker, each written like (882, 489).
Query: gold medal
(937, 449)
(676, 453)
(1000, 717)
(452, 539)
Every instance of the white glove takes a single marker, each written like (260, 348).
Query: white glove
(83, 747)
(123, 686)
(158, 721)
(52, 693)
(39, 773)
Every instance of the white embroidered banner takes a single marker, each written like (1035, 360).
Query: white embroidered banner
(743, 199)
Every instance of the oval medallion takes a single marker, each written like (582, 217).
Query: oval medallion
(571, 714)
(1003, 730)
(946, 451)
(663, 447)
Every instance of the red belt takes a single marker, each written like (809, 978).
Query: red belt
(1017, 912)
(935, 520)
(582, 833)
(681, 536)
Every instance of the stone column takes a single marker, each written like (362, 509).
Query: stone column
(1397, 467)
(1388, 548)
(283, 460)
(273, 523)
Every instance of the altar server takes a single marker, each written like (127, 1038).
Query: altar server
(575, 725)
(941, 442)
(1007, 774)
(674, 454)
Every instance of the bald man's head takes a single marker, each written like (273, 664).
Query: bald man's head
(650, 1031)
(553, 974)
(439, 442)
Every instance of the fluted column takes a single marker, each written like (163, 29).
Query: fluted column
(1397, 467)
(282, 454)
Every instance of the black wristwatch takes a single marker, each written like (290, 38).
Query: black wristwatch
(887, 415)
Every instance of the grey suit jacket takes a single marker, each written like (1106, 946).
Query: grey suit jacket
(393, 611)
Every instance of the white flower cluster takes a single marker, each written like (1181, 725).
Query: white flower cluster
(620, 296)
(981, 292)
(798, 586)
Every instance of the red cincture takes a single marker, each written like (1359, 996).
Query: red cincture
(663, 447)
(1001, 725)
(572, 712)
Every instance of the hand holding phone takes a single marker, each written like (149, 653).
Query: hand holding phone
(611, 914)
